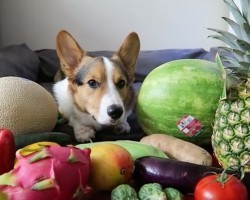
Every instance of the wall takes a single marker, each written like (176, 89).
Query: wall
(103, 24)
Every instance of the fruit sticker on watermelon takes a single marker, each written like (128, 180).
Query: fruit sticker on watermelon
(189, 125)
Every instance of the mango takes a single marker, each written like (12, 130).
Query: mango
(111, 165)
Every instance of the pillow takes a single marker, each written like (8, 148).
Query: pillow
(49, 64)
(19, 60)
(147, 60)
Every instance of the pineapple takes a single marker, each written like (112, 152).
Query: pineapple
(231, 129)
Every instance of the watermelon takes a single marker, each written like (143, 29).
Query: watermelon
(179, 98)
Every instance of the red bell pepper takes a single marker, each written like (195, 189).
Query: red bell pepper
(7, 150)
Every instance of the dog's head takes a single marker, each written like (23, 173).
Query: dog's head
(99, 86)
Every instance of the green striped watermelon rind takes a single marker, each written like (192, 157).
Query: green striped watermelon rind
(176, 89)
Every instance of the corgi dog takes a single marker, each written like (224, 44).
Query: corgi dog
(97, 91)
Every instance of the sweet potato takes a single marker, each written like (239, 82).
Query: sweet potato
(179, 149)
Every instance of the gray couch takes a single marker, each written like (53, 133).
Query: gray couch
(41, 66)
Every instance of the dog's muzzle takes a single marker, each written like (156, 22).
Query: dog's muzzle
(115, 112)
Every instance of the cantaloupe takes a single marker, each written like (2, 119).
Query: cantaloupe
(25, 106)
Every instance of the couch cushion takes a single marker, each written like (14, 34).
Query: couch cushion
(19, 60)
(49, 64)
(147, 60)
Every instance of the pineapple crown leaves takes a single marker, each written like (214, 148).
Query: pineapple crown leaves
(230, 82)
(223, 72)
(237, 28)
(243, 16)
(240, 26)
(236, 55)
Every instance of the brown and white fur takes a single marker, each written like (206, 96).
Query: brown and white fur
(97, 92)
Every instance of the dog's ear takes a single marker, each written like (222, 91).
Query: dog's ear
(69, 52)
(129, 51)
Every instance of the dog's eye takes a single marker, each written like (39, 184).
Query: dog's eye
(93, 84)
(120, 84)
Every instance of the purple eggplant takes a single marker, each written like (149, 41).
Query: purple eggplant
(172, 173)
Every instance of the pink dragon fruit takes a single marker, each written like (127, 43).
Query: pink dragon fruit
(53, 173)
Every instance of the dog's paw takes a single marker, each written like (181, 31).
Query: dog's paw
(85, 133)
(122, 128)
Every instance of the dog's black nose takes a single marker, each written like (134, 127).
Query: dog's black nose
(115, 111)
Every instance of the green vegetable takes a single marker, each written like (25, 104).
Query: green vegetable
(152, 191)
(185, 91)
(124, 192)
(173, 194)
(57, 137)
(136, 149)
